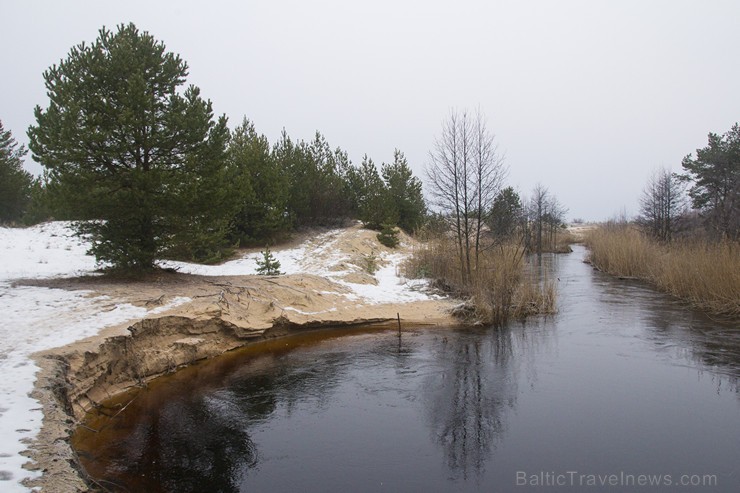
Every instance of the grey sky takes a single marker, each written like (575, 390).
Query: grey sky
(585, 97)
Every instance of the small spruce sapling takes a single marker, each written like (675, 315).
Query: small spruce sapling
(268, 265)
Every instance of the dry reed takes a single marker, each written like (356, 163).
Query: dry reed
(705, 274)
(499, 290)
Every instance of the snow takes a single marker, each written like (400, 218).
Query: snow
(296, 260)
(320, 257)
(37, 318)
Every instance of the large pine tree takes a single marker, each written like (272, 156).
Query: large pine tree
(715, 182)
(137, 158)
(370, 195)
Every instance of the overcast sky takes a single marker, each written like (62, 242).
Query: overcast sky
(585, 97)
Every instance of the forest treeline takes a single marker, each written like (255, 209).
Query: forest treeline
(256, 194)
(146, 170)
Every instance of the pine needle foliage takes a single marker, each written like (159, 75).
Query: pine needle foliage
(268, 265)
(133, 155)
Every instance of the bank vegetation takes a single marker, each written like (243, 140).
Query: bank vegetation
(686, 237)
(475, 247)
(499, 289)
(702, 272)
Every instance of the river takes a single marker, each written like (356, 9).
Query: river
(625, 389)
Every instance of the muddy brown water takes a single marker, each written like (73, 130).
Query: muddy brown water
(624, 390)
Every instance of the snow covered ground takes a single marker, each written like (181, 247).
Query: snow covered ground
(37, 318)
(323, 256)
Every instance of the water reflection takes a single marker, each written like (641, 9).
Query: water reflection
(689, 335)
(220, 450)
(676, 332)
(467, 401)
(191, 432)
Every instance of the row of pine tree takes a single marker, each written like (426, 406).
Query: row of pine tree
(142, 165)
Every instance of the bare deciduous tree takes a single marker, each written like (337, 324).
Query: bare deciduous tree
(545, 215)
(465, 172)
(662, 203)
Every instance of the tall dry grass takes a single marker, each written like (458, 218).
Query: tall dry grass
(499, 290)
(703, 273)
(621, 251)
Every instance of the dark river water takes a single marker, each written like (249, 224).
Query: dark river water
(624, 389)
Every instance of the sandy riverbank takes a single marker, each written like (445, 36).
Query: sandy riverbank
(335, 278)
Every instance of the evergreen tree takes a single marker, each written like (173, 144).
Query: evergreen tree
(388, 236)
(261, 185)
(330, 200)
(506, 213)
(370, 195)
(715, 173)
(15, 182)
(136, 158)
(268, 265)
(404, 193)
(39, 206)
(319, 190)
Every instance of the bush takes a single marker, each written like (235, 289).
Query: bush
(499, 291)
(388, 236)
(371, 263)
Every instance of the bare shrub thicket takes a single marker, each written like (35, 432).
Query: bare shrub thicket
(465, 173)
(662, 205)
(499, 289)
(543, 221)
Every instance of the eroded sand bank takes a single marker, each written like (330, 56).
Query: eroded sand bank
(340, 277)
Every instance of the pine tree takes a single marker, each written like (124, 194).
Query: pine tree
(261, 185)
(404, 193)
(388, 236)
(15, 182)
(370, 196)
(715, 182)
(268, 265)
(137, 159)
(319, 191)
(506, 213)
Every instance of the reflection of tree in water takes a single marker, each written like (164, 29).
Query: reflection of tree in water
(200, 447)
(469, 400)
(673, 327)
(196, 437)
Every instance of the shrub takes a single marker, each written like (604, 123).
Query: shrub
(499, 291)
(388, 236)
(268, 265)
(371, 263)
